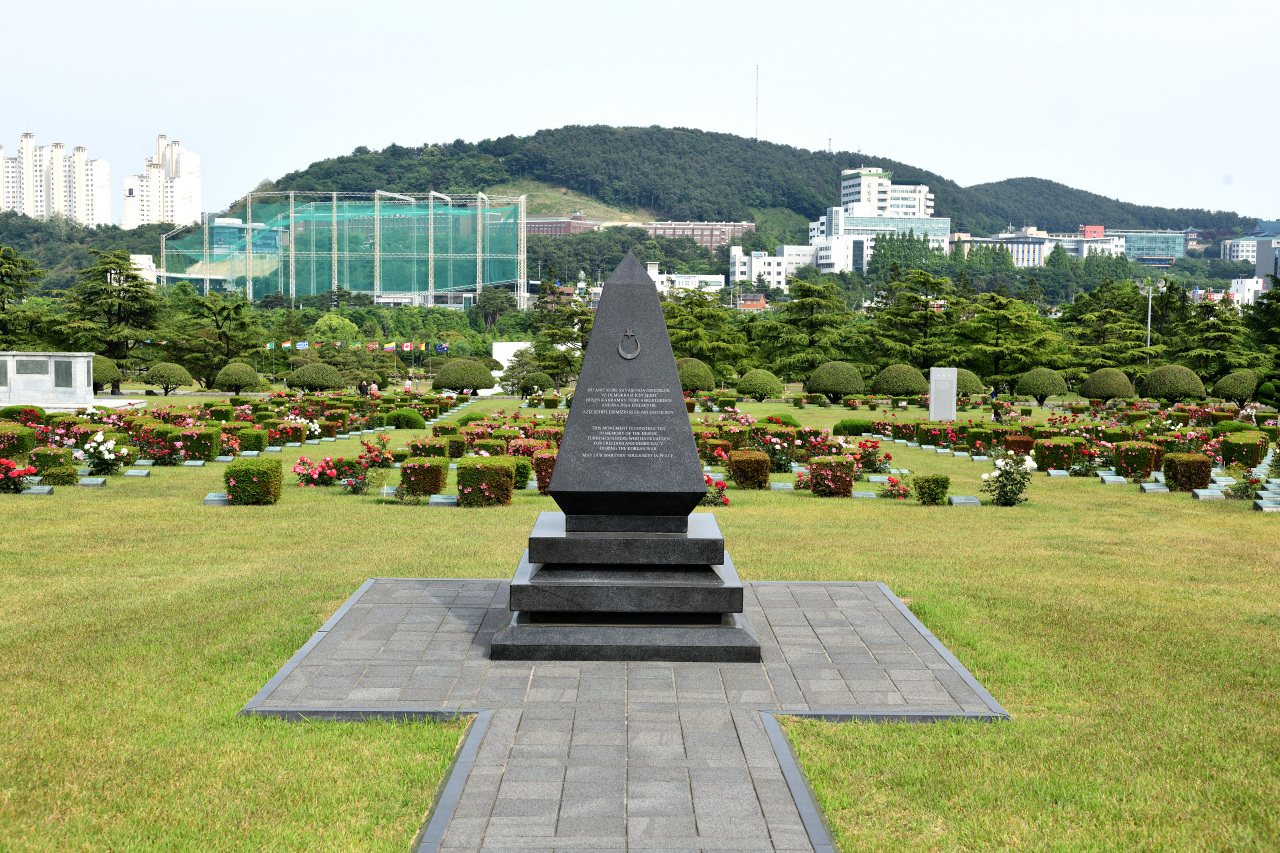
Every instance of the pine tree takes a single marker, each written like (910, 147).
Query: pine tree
(1104, 332)
(913, 320)
(112, 308)
(1003, 338)
(701, 328)
(1214, 342)
(813, 328)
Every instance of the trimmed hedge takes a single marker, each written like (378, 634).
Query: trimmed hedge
(524, 471)
(424, 478)
(1106, 384)
(46, 458)
(695, 375)
(1244, 448)
(444, 429)
(832, 476)
(853, 426)
(835, 380)
(1023, 445)
(252, 439)
(486, 481)
(900, 380)
(492, 446)
(1186, 471)
(544, 465)
(709, 447)
(1042, 383)
(1057, 453)
(1171, 383)
(15, 439)
(1238, 387)
(749, 469)
(253, 481)
(405, 419)
(528, 446)
(1137, 459)
(931, 489)
(62, 475)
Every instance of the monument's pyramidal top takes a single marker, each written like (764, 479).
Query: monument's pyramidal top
(628, 460)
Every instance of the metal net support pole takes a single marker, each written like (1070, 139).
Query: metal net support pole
(248, 243)
(333, 253)
(293, 280)
(522, 286)
(481, 198)
(205, 217)
(377, 246)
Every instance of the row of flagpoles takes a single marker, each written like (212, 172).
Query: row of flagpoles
(371, 346)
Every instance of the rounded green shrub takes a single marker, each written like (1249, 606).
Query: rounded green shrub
(968, 383)
(10, 413)
(759, 385)
(235, 377)
(1107, 383)
(463, 374)
(167, 376)
(63, 475)
(853, 426)
(931, 489)
(1238, 387)
(695, 375)
(424, 477)
(1042, 383)
(252, 439)
(899, 380)
(536, 382)
(253, 481)
(316, 376)
(1171, 383)
(834, 380)
(405, 419)
(105, 372)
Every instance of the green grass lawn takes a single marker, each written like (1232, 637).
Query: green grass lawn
(1134, 638)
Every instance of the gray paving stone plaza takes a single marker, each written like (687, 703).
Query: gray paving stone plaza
(623, 756)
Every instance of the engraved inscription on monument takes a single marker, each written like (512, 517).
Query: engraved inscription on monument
(627, 401)
(626, 442)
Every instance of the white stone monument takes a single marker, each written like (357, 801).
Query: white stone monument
(942, 393)
(50, 380)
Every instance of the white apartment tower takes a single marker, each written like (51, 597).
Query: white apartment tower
(168, 190)
(44, 180)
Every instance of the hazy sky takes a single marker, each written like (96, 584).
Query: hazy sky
(1169, 103)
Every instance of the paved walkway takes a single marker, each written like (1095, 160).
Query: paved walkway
(623, 756)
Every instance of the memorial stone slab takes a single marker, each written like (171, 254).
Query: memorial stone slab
(443, 500)
(37, 490)
(913, 444)
(862, 495)
(532, 484)
(1058, 472)
(981, 458)
(878, 479)
(32, 481)
(1267, 505)
(248, 454)
(388, 491)
(274, 449)
(224, 459)
(329, 439)
(1158, 476)
(782, 487)
(83, 472)
(193, 463)
(944, 451)
(216, 499)
(1207, 495)
(293, 444)
(628, 451)
(312, 441)
(1273, 482)
(1153, 489)
(963, 500)
(1222, 481)
(92, 482)
(143, 463)
(902, 441)
(928, 447)
(1112, 480)
(141, 472)
(960, 455)
(942, 394)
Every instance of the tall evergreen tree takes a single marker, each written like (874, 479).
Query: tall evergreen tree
(1213, 343)
(813, 328)
(1002, 338)
(112, 309)
(700, 327)
(1104, 331)
(913, 321)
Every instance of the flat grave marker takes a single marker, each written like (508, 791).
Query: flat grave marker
(782, 487)
(878, 479)
(138, 473)
(249, 454)
(1058, 472)
(444, 500)
(92, 482)
(275, 450)
(83, 472)
(964, 500)
(1207, 495)
(37, 490)
(143, 463)
(1267, 505)
(193, 463)
(1153, 489)
(863, 495)
(216, 499)
(1112, 480)
(293, 444)
(224, 459)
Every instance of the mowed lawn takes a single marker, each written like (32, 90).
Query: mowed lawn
(1133, 638)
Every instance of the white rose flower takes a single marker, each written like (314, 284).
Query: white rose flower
(98, 437)
(985, 476)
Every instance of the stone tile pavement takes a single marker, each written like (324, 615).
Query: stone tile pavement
(583, 756)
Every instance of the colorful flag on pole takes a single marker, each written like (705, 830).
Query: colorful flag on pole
(388, 347)
(442, 347)
(271, 344)
(337, 345)
(302, 345)
(406, 346)
(421, 347)
(286, 345)
(373, 345)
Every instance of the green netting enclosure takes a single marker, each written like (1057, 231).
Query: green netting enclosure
(395, 247)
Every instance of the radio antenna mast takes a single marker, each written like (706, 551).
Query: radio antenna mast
(757, 136)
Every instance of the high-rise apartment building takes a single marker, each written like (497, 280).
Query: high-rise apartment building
(44, 180)
(168, 190)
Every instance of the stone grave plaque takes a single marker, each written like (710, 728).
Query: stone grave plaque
(293, 444)
(216, 499)
(344, 435)
(1207, 495)
(1158, 476)
(963, 500)
(92, 482)
(141, 472)
(1112, 480)
(913, 444)
(1222, 481)
(928, 447)
(532, 484)
(981, 458)
(782, 487)
(1267, 506)
(329, 438)
(143, 463)
(862, 495)
(37, 490)
(1153, 489)
(902, 441)
(942, 394)
(249, 454)
(628, 459)
(274, 450)
(960, 455)
(388, 491)
(32, 481)
(1273, 482)
(312, 441)
(878, 479)
(443, 500)
(1058, 472)
(83, 472)
(944, 451)
(223, 458)
(193, 463)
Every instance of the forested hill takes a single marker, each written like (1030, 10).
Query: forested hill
(693, 174)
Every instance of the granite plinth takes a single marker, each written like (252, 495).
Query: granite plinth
(1207, 495)
(144, 463)
(602, 590)
(728, 638)
(963, 500)
(138, 473)
(624, 523)
(37, 490)
(1153, 489)
(249, 454)
(701, 544)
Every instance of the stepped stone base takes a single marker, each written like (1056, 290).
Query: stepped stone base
(726, 638)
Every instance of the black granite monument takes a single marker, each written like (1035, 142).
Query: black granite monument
(626, 572)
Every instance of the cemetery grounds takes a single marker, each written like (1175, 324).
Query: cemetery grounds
(1134, 639)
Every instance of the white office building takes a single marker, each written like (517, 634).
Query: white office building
(868, 191)
(168, 190)
(1245, 291)
(45, 180)
(1241, 250)
(667, 282)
